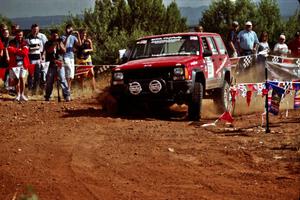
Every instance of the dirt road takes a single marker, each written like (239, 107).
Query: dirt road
(76, 151)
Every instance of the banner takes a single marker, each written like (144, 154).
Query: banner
(283, 69)
(297, 99)
(277, 94)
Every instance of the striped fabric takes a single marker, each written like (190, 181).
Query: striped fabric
(275, 102)
(297, 99)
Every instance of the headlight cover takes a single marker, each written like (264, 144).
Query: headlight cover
(179, 71)
(118, 76)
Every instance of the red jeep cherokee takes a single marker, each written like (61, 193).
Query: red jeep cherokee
(180, 68)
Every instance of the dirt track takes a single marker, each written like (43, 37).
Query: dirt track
(76, 151)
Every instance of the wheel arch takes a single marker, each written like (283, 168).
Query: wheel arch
(198, 76)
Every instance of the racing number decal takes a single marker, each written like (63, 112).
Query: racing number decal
(210, 67)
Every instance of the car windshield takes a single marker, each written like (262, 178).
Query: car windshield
(166, 46)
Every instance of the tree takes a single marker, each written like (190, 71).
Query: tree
(292, 25)
(5, 20)
(221, 13)
(265, 16)
(269, 19)
(173, 21)
(113, 24)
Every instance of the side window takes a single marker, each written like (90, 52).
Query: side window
(220, 44)
(212, 45)
(204, 44)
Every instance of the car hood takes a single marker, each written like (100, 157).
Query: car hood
(157, 62)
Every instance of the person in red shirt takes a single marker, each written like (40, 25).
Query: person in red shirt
(294, 46)
(18, 64)
(2, 72)
(1, 49)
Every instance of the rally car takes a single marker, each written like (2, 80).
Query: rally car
(180, 68)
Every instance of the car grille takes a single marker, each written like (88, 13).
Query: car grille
(165, 73)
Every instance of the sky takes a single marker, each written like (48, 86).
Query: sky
(29, 8)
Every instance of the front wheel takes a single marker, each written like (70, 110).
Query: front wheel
(195, 104)
(222, 98)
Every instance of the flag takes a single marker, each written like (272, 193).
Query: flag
(2, 73)
(297, 99)
(276, 98)
(233, 93)
(246, 61)
(248, 99)
(83, 69)
(226, 116)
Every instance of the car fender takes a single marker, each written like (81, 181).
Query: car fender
(198, 76)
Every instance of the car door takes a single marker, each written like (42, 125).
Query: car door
(223, 57)
(211, 61)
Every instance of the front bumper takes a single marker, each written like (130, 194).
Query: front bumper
(154, 90)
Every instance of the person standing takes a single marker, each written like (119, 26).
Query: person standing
(54, 50)
(4, 61)
(70, 41)
(14, 29)
(263, 45)
(36, 48)
(294, 46)
(2, 28)
(247, 40)
(18, 64)
(281, 48)
(232, 40)
(84, 56)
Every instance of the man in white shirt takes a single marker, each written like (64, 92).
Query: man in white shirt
(36, 42)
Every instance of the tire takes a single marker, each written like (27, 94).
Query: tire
(222, 98)
(195, 104)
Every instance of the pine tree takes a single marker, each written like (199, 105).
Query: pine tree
(173, 21)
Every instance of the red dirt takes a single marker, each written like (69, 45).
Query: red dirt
(77, 151)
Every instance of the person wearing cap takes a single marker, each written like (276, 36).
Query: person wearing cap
(232, 40)
(247, 40)
(281, 49)
(294, 46)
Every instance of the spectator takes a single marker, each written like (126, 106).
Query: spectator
(70, 41)
(294, 46)
(263, 44)
(14, 29)
(281, 49)
(199, 29)
(1, 49)
(2, 28)
(54, 50)
(4, 60)
(84, 55)
(36, 48)
(232, 40)
(18, 64)
(247, 40)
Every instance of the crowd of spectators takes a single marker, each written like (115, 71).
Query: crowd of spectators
(246, 42)
(35, 62)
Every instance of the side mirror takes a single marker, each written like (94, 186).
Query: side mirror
(207, 53)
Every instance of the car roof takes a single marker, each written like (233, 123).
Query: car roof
(180, 34)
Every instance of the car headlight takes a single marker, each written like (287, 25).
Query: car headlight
(178, 71)
(118, 76)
